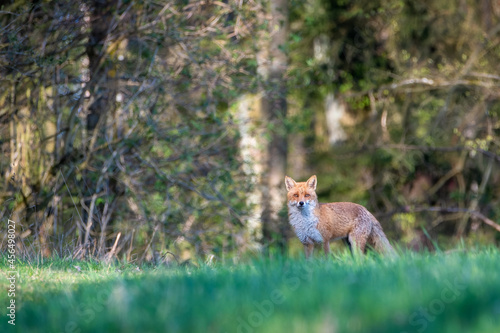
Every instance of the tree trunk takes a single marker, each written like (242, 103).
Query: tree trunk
(272, 67)
(252, 155)
(100, 21)
(102, 89)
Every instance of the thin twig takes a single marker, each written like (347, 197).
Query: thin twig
(112, 252)
(150, 242)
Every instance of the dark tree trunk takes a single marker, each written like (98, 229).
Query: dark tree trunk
(101, 17)
(274, 108)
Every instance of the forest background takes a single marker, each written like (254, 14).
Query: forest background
(162, 130)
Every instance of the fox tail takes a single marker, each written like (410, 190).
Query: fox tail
(380, 242)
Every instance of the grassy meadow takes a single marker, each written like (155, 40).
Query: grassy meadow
(440, 292)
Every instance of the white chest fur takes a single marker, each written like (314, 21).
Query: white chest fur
(305, 223)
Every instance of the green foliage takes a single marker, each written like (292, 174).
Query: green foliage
(413, 77)
(159, 80)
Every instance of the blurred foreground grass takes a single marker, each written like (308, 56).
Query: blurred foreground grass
(456, 292)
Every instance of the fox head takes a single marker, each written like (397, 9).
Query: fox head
(302, 195)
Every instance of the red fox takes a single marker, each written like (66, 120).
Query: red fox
(316, 222)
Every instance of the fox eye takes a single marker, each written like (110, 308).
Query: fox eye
(296, 195)
(307, 195)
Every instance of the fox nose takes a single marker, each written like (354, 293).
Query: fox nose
(301, 203)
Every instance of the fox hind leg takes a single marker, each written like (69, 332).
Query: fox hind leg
(359, 236)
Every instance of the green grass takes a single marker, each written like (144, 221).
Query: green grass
(456, 292)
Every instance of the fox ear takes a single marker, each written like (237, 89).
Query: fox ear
(312, 182)
(289, 183)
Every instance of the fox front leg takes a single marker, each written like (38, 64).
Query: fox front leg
(348, 244)
(308, 249)
(326, 247)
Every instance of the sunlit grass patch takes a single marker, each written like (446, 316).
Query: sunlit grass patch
(413, 293)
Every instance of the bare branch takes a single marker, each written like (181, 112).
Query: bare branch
(474, 213)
